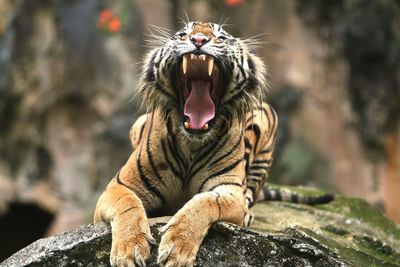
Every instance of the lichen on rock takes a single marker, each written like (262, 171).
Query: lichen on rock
(345, 232)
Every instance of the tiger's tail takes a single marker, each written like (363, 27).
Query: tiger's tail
(277, 194)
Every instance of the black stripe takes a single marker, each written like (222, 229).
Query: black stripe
(166, 68)
(173, 145)
(238, 64)
(251, 65)
(246, 158)
(238, 87)
(209, 151)
(247, 143)
(161, 90)
(150, 72)
(274, 120)
(227, 153)
(255, 179)
(149, 153)
(118, 179)
(176, 149)
(226, 183)
(257, 174)
(266, 161)
(141, 131)
(161, 52)
(267, 194)
(294, 198)
(250, 118)
(222, 171)
(128, 209)
(263, 110)
(278, 195)
(146, 181)
(252, 188)
(170, 164)
(237, 78)
(268, 150)
(256, 129)
(267, 168)
(173, 150)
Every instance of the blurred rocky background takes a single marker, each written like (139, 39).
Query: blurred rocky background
(68, 71)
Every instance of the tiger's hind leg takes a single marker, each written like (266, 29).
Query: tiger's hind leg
(260, 135)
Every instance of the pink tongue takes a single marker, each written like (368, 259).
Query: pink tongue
(199, 107)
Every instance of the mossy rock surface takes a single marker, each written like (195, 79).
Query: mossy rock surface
(345, 232)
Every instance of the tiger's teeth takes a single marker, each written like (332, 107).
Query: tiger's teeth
(202, 57)
(210, 66)
(205, 127)
(184, 64)
(186, 124)
(192, 56)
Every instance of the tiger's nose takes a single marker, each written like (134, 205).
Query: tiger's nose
(199, 40)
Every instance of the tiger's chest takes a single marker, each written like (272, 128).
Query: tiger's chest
(179, 175)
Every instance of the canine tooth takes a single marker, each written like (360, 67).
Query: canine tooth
(210, 66)
(184, 64)
(205, 127)
(186, 124)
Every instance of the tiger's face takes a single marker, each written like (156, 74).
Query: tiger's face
(205, 73)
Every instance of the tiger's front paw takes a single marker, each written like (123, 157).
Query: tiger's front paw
(180, 243)
(130, 245)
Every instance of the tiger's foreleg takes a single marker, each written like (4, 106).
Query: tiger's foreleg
(130, 229)
(185, 231)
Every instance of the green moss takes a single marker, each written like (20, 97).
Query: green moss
(360, 210)
(350, 253)
(350, 227)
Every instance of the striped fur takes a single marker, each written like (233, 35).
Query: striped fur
(198, 178)
(278, 194)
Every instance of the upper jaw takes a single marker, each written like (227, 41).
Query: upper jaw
(192, 59)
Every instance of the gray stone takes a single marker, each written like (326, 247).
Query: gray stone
(345, 232)
(225, 245)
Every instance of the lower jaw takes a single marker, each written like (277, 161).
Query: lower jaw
(198, 131)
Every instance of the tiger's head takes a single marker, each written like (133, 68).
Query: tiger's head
(205, 74)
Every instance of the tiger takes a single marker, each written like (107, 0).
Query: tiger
(201, 153)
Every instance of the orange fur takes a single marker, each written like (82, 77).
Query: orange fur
(197, 180)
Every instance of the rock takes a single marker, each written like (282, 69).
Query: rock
(225, 245)
(346, 232)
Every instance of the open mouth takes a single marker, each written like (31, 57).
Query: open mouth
(200, 90)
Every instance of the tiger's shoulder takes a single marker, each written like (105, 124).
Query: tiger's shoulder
(137, 130)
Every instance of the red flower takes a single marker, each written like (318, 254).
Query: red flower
(233, 2)
(105, 15)
(114, 25)
(108, 21)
